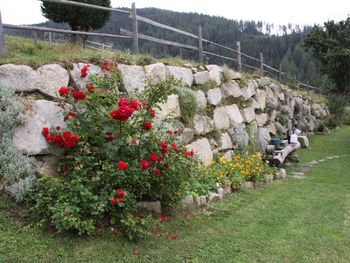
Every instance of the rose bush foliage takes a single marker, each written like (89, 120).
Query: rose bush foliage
(113, 154)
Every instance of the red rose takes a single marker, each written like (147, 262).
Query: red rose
(109, 137)
(135, 104)
(122, 114)
(122, 165)
(121, 199)
(84, 71)
(50, 138)
(173, 145)
(63, 91)
(147, 125)
(123, 102)
(120, 193)
(78, 95)
(153, 157)
(145, 164)
(162, 218)
(67, 135)
(169, 132)
(58, 128)
(159, 159)
(113, 201)
(163, 151)
(163, 144)
(157, 172)
(45, 131)
(90, 88)
(106, 65)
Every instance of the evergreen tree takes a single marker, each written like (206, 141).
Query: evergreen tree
(331, 44)
(78, 18)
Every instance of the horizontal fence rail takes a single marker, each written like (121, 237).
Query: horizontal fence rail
(134, 35)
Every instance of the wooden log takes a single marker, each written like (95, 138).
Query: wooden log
(200, 44)
(157, 40)
(239, 55)
(135, 29)
(48, 29)
(281, 155)
(2, 39)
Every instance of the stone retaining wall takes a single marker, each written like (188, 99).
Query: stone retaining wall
(243, 112)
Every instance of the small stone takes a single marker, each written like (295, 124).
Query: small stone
(269, 178)
(248, 185)
(248, 114)
(188, 201)
(201, 100)
(200, 201)
(220, 191)
(293, 158)
(227, 187)
(221, 119)
(153, 207)
(304, 141)
(182, 74)
(234, 114)
(214, 197)
(215, 73)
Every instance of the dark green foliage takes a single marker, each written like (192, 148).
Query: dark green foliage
(331, 45)
(78, 18)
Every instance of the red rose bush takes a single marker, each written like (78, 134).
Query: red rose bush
(113, 155)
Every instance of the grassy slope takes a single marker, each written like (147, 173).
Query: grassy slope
(23, 51)
(287, 221)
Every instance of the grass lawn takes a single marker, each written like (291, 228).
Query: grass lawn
(287, 221)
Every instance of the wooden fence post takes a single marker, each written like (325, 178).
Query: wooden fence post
(135, 29)
(200, 44)
(2, 39)
(280, 72)
(239, 55)
(35, 36)
(50, 38)
(262, 63)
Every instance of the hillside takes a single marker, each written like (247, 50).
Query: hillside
(285, 49)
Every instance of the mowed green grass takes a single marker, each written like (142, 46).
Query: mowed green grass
(286, 221)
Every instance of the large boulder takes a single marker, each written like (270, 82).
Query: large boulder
(225, 142)
(230, 74)
(261, 98)
(187, 135)
(221, 119)
(248, 114)
(201, 99)
(271, 99)
(170, 108)
(133, 78)
(234, 113)
(182, 74)
(262, 139)
(261, 119)
(27, 137)
(263, 82)
(250, 90)
(201, 77)
(316, 110)
(287, 111)
(202, 124)
(51, 78)
(75, 74)
(156, 73)
(231, 90)
(214, 96)
(47, 79)
(215, 73)
(202, 148)
(304, 141)
(239, 135)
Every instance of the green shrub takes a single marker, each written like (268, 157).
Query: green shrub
(188, 104)
(336, 105)
(17, 171)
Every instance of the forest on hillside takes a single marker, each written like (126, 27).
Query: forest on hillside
(255, 36)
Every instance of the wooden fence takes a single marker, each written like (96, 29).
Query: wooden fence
(134, 35)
